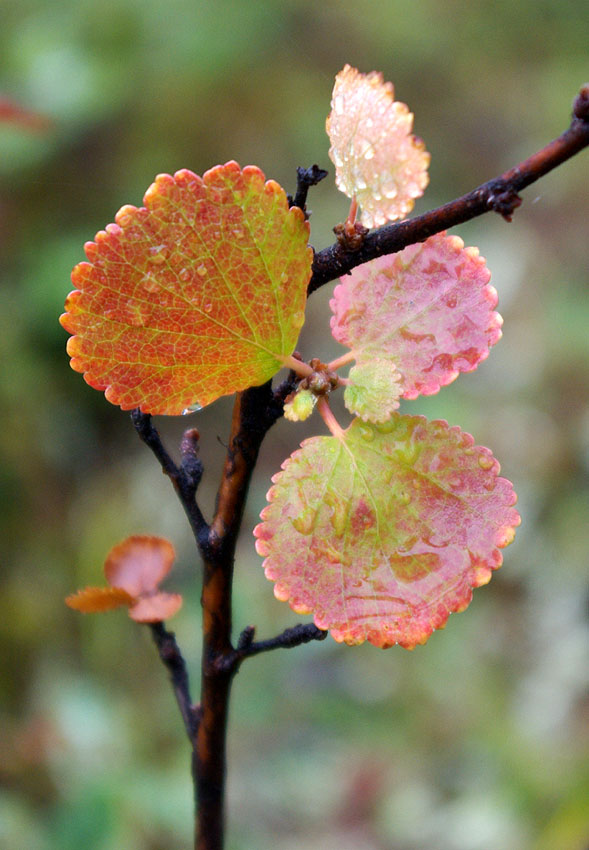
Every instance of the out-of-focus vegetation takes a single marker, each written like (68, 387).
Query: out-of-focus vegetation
(476, 741)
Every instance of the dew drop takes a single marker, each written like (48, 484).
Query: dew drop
(387, 427)
(149, 284)
(408, 453)
(366, 432)
(283, 277)
(158, 254)
(304, 522)
(339, 516)
(124, 220)
(201, 270)
(192, 408)
(451, 300)
(208, 307)
(184, 274)
(370, 155)
(485, 461)
(332, 555)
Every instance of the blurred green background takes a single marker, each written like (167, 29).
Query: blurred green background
(477, 740)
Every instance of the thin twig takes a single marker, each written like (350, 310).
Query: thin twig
(185, 478)
(499, 195)
(170, 654)
(306, 177)
(289, 638)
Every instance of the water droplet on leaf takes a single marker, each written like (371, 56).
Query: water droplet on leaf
(366, 432)
(192, 408)
(486, 461)
(305, 521)
(158, 254)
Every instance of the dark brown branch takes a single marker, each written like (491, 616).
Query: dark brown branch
(186, 477)
(499, 195)
(171, 656)
(254, 412)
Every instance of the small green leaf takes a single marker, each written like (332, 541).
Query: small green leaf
(374, 390)
(300, 406)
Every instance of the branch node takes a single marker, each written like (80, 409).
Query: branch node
(581, 103)
(350, 235)
(246, 638)
(505, 203)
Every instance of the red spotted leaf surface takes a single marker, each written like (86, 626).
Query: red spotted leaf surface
(134, 568)
(383, 533)
(198, 294)
(429, 309)
(377, 159)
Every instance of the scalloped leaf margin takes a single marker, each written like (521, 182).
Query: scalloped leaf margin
(198, 294)
(384, 533)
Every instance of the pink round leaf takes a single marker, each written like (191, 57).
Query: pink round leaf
(155, 607)
(377, 159)
(384, 533)
(139, 563)
(198, 294)
(429, 309)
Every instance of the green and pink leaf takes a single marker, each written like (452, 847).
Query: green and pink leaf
(384, 533)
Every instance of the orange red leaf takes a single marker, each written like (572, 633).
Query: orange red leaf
(198, 294)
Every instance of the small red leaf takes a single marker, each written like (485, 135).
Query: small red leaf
(139, 563)
(93, 600)
(199, 294)
(156, 607)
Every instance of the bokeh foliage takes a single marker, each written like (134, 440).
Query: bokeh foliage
(477, 740)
